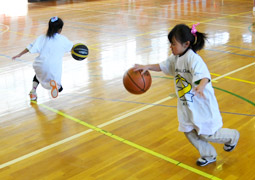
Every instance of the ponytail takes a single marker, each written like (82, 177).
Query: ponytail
(199, 41)
(55, 24)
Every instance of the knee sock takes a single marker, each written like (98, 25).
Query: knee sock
(35, 84)
(60, 89)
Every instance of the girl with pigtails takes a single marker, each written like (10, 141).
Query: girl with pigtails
(51, 48)
(197, 108)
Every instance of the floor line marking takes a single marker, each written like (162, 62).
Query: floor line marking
(134, 112)
(5, 30)
(236, 79)
(76, 135)
(96, 128)
(139, 147)
(9, 163)
(234, 71)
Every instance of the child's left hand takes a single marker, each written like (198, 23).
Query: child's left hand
(200, 88)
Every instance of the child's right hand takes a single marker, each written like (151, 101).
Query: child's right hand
(138, 67)
(14, 57)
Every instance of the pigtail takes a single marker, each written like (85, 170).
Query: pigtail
(199, 41)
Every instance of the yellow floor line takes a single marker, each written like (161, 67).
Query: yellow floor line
(189, 168)
(234, 71)
(236, 79)
(95, 128)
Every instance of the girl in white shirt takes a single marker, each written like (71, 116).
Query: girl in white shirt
(48, 65)
(198, 112)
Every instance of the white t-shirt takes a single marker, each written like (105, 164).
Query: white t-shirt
(48, 65)
(194, 112)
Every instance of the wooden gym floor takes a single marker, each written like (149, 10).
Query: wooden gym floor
(95, 129)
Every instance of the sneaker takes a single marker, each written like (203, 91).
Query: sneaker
(54, 89)
(33, 96)
(229, 148)
(204, 162)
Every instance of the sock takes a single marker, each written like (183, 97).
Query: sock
(60, 89)
(35, 85)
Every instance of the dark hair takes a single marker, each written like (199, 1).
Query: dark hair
(182, 33)
(55, 24)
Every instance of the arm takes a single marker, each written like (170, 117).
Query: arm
(201, 86)
(20, 54)
(144, 68)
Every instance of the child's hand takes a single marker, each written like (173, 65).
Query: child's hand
(200, 91)
(138, 67)
(200, 88)
(14, 57)
(20, 54)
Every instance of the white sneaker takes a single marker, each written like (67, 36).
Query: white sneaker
(204, 162)
(33, 96)
(231, 147)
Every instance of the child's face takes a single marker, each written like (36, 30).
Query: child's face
(177, 47)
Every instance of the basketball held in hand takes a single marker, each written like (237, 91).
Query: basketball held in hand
(135, 82)
(80, 51)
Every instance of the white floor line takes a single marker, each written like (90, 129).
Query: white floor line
(44, 149)
(79, 134)
(133, 112)
(231, 72)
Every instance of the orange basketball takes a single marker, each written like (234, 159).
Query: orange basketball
(135, 82)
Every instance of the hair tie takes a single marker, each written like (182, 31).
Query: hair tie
(54, 19)
(194, 30)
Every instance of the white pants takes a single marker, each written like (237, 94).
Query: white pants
(201, 142)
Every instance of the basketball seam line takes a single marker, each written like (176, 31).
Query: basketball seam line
(135, 83)
(144, 84)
